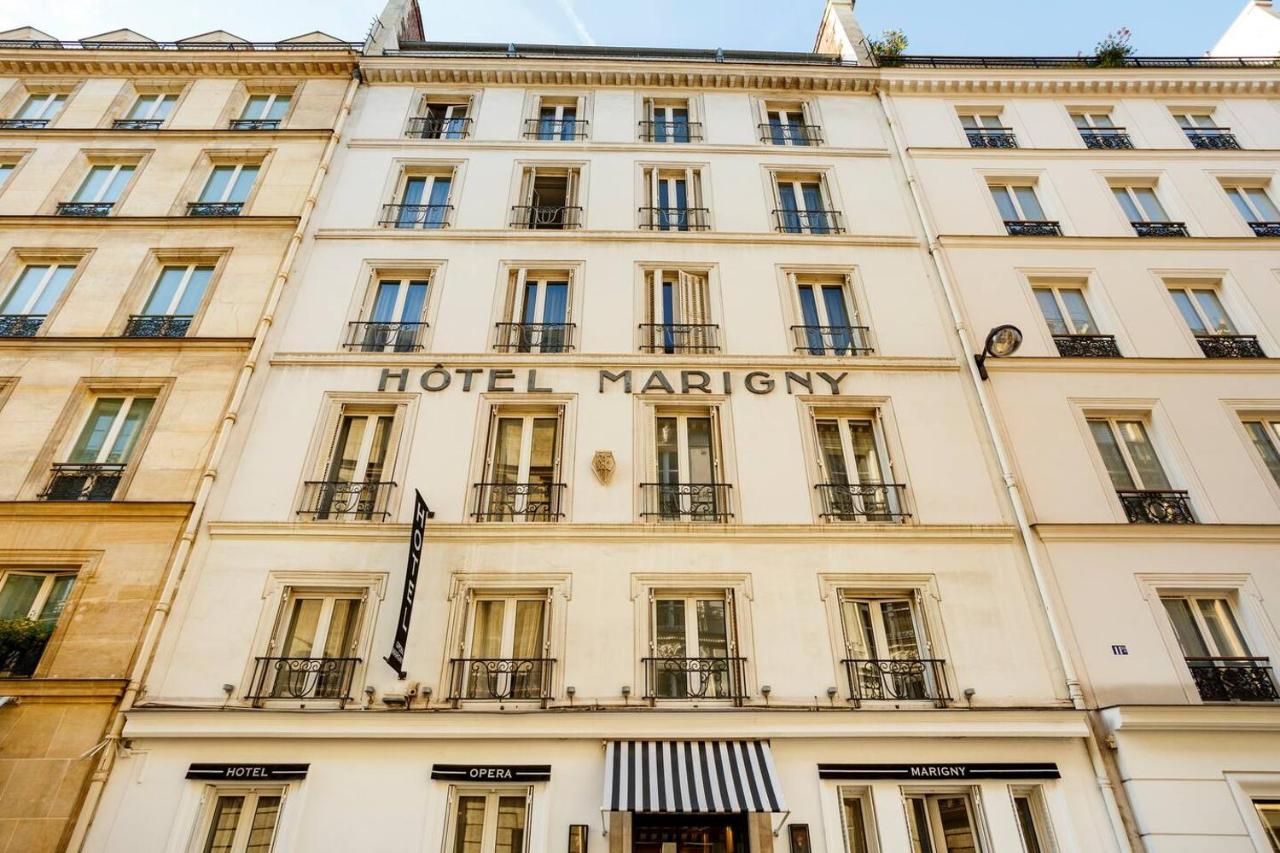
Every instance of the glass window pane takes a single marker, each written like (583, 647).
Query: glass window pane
(1052, 313)
(244, 183)
(164, 107)
(93, 184)
(511, 818)
(216, 187)
(1150, 204)
(165, 290)
(1078, 309)
(1241, 201)
(468, 825)
(506, 455)
(342, 468)
(969, 122)
(921, 833)
(542, 455)
(832, 451)
(1004, 203)
(855, 826)
(1112, 458)
(94, 434)
(304, 621)
(134, 420)
(1211, 306)
(957, 830)
(18, 595)
(701, 461)
(24, 289)
(1127, 204)
(1188, 312)
(53, 288)
(279, 107)
(1185, 628)
(143, 106)
(1029, 203)
(1143, 454)
(1102, 120)
(117, 185)
(378, 449)
(713, 630)
(669, 628)
(1269, 814)
(384, 302)
(527, 642)
(264, 825)
(1263, 204)
(900, 630)
(866, 456)
(1221, 622)
(194, 294)
(1025, 810)
(343, 622)
(57, 600)
(667, 450)
(1264, 439)
(226, 817)
(255, 107)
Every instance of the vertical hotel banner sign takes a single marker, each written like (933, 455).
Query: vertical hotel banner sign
(420, 515)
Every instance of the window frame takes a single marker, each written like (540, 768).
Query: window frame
(652, 302)
(48, 578)
(237, 169)
(492, 794)
(930, 795)
(114, 167)
(331, 410)
(654, 175)
(1237, 192)
(650, 102)
(581, 106)
(425, 100)
(511, 308)
(527, 411)
(866, 807)
(161, 95)
(1269, 423)
(52, 94)
(19, 265)
(1009, 187)
(511, 597)
(524, 190)
(375, 275)
(1055, 287)
(1042, 822)
(844, 415)
(690, 596)
(1130, 187)
(273, 93)
(1113, 420)
(797, 177)
(1189, 290)
(807, 112)
(208, 809)
(429, 174)
(136, 449)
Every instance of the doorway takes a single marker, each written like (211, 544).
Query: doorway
(701, 833)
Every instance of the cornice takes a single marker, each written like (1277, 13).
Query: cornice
(210, 134)
(167, 221)
(100, 343)
(187, 63)
(82, 511)
(54, 690)
(1242, 82)
(690, 150)
(1161, 534)
(638, 361)
(1188, 718)
(1129, 243)
(1026, 153)
(1192, 364)
(582, 235)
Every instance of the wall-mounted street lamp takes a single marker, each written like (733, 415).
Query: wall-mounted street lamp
(1001, 341)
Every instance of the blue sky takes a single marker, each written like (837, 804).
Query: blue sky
(1045, 27)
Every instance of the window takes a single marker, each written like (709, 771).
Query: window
(686, 464)
(942, 823)
(985, 129)
(1065, 310)
(673, 200)
(856, 815)
(6, 170)
(442, 117)
(149, 111)
(1147, 215)
(1206, 317)
(788, 123)
(1020, 209)
(31, 298)
(30, 603)
(853, 483)
(1222, 665)
(396, 317)
(99, 191)
(1257, 209)
(263, 111)
(424, 202)
(668, 120)
(1269, 815)
(484, 820)
(1265, 433)
(102, 450)
(887, 648)
(226, 190)
(557, 119)
(355, 480)
(1099, 131)
(677, 313)
(241, 820)
(505, 650)
(1203, 131)
(548, 199)
(522, 466)
(1033, 820)
(38, 110)
(1134, 467)
(829, 322)
(804, 205)
(313, 652)
(537, 312)
(693, 648)
(173, 302)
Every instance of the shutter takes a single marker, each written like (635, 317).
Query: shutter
(717, 473)
(656, 316)
(490, 441)
(278, 626)
(653, 624)
(556, 452)
(850, 303)
(917, 600)
(515, 308)
(571, 190)
(468, 613)
(531, 177)
(653, 194)
(731, 617)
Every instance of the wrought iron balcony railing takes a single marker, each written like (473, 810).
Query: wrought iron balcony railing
(808, 221)
(314, 679)
(1032, 228)
(23, 123)
(563, 130)
(1212, 138)
(72, 481)
(551, 217)
(1239, 679)
(670, 131)
(158, 326)
(137, 124)
(20, 325)
(500, 679)
(416, 215)
(1168, 506)
(686, 502)
(679, 338)
(533, 337)
(215, 208)
(1106, 137)
(537, 502)
(367, 336)
(1230, 346)
(331, 500)
(897, 679)
(790, 134)
(991, 137)
(883, 502)
(675, 219)
(427, 127)
(695, 678)
(1086, 346)
(1161, 229)
(1265, 229)
(255, 124)
(833, 340)
(85, 208)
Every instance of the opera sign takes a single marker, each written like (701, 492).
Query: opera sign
(491, 772)
(509, 380)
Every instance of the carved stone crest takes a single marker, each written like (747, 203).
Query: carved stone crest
(603, 464)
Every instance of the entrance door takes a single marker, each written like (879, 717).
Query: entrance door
(655, 833)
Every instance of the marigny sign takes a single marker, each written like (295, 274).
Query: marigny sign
(525, 380)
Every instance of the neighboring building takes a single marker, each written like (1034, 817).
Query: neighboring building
(148, 195)
(1256, 32)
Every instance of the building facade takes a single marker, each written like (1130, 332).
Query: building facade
(150, 192)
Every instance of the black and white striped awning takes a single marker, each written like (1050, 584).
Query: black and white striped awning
(691, 776)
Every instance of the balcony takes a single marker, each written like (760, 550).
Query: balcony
(137, 124)
(1212, 138)
(20, 325)
(426, 127)
(1086, 346)
(680, 338)
(1161, 229)
(416, 215)
(874, 502)
(71, 481)
(550, 217)
(833, 340)
(533, 337)
(1233, 679)
(1112, 138)
(897, 680)
(1156, 507)
(500, 680)
(23, 123)
(1032, 228)
(302, 679)
(85, 208)
(695, 678)
(808, 221)
(255, 124)
(790, 134)
(705, 503)
(992, 137)
(215, 208)
(330, 500)
(675, 219)
(558, 130)
(532, 502)
(670, 131)
(22, 643)
(1265, 229)
(1230, 346)
(158, 326)
(367, 336)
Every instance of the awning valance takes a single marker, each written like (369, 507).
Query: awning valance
(691, 776)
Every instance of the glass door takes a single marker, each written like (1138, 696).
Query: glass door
(803, 206)
(356, 470)
(425, 202)
(884, 642)
(691, 648)
(520, 474)
(942, 823)
(506, 649)
(827, 319)
(542, 316)
(395, 321)
(687, 468)
(852, 466)
(319, 630)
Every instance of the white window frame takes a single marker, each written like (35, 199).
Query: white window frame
(683, 305)
(560, 103)
(683, 464)
(1007, 187)
(1129, 190)
(527, 189)
(866, 806)
(1221, 601)
(1056, 290)
(728, 596)
(894, 501)
(671, 175)
(1269, 423)
(236, 169)
(209, 807)
(54, 266)
(1241, 192)
(519, 279)
(181, 290)
(371, 413)
(506, 651)
(979, 117)
(797, 180)
(930, 797)
(271, 99)
(161, 98)
(1113, 422)
(527, 414)
(1189, 292)
(48, 579)
(328, 597)
(1039, 808)
(55, 100)
(652, 104)
(106, 185)
(787, 110)
(113, 433)
(1090, 117)
(489, 834)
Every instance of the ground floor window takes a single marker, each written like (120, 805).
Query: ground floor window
(1033, 820)
(942, 823)
(1269, 814)
(484, 820)
(855, 813)
(240, 820)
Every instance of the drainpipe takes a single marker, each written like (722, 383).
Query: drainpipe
(1120, 839)
(178, 564)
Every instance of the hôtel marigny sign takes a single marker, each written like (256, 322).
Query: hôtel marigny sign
(525, 380)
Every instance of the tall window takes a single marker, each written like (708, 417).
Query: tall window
(263, 111)
(484, 820)
(149, 110)
(1099, 131)
(986, 129)
(1257, 208)
(829, 323)
(1033, 820)
(942, 823)
(1222, 665)
(853, 466)
(557, 119)
(886, 648)
(668, 120)
(226, 190)
(522, 467)
(1021, 211)
(690, 484)
(30, 604)
(537, 312)
(856, 812)
(173, 302)
(102, 450)
(548, 199)
(396, 317)
(673, 200)
(31, 298)
(1203, 131)
(505, 651)
(1269, 815)
(1265, 433)
(99, 191)
(355, 480)
(6, 170)
(424, 202)
(677, 313)
(40, 108)
(242, 820)
(1071, 322)
(442, 117)
(313, 650)
(788, 123)
(1128, 454)
(1207, 318)
(692, 646)
(1146, 214)
(804, 205)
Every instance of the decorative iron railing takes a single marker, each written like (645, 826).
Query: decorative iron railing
(255, 124)
(991, 137)
(686, 502)
(563, 130)
(897, 679)
(1265, 229)
(315, 679)
(833, 340)
(883, 502)
(238, 46)
(695, 678)
(137, 124)
(215, 208)
(790, 134)
(23, 123)
(331, 500)
(679, 338)
(1086, 346)
(368, 336)
(158, 326)
(1233, 679)
(20, 325)
(552, 217)
(808, 221)
(1001, 62)
(73, 481)
(500, 679)
(1230, 346)
(1167, 506)
(1032, 228)
(1212, 138)
(1161, 229)
(533, 337)
(85, 208)
(1114, 138)
(675, 219)
(540, 502)
(416, 215)
(427, 127)
(670, 131)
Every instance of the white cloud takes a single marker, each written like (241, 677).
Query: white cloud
(566, 6)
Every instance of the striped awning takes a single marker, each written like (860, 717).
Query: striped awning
(691, 776)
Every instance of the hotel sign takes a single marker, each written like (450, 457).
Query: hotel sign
(525, 380)
(931, 772)
(491, 772)
(420, 515)
(247, 772)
